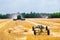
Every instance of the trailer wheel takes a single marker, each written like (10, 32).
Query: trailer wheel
(48, 32)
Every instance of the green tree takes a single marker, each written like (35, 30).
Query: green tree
(55, 15)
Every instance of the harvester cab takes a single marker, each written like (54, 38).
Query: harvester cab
(39, 29)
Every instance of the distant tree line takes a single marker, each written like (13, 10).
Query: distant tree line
(33, 15)
(4, 16)
(55, 15)
(25, 15)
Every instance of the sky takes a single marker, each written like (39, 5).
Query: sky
(41, 6)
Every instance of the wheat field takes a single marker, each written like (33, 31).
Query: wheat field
(22, 29)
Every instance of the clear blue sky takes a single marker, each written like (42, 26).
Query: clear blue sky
(12, 6)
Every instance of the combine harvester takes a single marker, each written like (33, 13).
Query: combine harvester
(39, 29)
(20, 17)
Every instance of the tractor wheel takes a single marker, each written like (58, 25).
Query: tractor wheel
(33, 28)
(34, 32)
(46, 28)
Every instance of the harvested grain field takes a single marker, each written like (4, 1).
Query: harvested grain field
(22, 29)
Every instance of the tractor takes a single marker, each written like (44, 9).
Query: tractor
(39, 29)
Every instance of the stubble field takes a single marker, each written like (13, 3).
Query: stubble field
(22, 29)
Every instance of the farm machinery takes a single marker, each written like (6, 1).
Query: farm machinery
(40, 29)
(19, 17)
